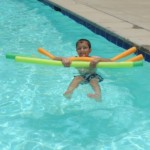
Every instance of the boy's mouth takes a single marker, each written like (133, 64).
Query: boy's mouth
(83, 55)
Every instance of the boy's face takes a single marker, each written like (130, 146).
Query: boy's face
(83, 49)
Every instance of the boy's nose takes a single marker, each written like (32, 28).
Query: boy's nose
(82, 49)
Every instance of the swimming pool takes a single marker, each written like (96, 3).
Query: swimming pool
(33, 112)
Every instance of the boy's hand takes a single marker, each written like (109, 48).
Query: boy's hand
(66, 62)
(94, 62)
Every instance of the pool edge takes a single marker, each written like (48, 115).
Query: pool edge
(99, 29)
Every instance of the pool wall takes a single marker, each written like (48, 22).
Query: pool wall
(97, 29)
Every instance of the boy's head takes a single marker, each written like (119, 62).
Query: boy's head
(83, 47)
(83, 40)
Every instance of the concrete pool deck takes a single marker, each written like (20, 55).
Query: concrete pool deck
(129, 20)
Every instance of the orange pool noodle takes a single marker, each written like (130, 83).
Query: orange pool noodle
(81, 58)
(136, 58)
(46, 53)
(125, 53)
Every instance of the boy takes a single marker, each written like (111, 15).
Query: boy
(86, 75)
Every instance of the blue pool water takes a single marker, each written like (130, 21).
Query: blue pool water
(34, 115)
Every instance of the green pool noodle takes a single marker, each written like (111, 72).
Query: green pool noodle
(78, 64)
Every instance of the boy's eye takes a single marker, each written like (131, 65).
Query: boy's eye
(79, 48)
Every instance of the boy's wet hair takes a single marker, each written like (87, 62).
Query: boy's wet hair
(83, 40)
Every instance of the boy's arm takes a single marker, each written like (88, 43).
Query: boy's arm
(58, 58)
(65, 61)
(104, 60)
(96, 60)
(100, 59)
